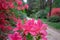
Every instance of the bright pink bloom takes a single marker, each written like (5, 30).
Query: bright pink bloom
(44, 26)
(31, 27)
(39, 22)
(15, 36)
(43, 33)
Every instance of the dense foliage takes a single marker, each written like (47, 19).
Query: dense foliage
(54, 19)
(42, 14)
(56, 4)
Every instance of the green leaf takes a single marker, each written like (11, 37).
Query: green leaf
(29, 37)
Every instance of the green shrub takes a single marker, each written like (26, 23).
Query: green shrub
(54, 19)
(41, 14)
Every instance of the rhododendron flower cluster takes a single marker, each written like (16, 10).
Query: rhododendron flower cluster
(4, 25)
(30, 27)
(7, 4)
(15, 36)
(4, 22)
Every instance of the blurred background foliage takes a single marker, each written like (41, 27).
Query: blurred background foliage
(40, 8)
(56, 3)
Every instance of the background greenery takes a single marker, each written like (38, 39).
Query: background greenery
(39, 9)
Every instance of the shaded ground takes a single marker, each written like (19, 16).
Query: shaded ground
(53, 34)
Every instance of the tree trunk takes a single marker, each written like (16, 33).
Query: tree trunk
(50, 5)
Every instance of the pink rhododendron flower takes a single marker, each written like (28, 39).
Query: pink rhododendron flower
(11, 5)
(26, 6)
(15, 36)
(44, 26)
(22, 8)
(3, 28)
(43, 33)
(5, 6)
(18, 25)
(18, 8)
(44, 38)
(19, 2)
(9, 27)
(31, 27)
(2, 15)
(39, 23)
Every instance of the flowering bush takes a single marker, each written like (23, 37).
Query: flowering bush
(8, 17)
(21, 30)
(55, 12)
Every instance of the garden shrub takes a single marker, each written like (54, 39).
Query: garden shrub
(41, 14)
(55, 12)
(54, 19)
(55, 15)
(28, 29)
